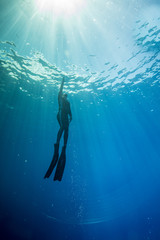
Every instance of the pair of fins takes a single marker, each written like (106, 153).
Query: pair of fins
(61, 163)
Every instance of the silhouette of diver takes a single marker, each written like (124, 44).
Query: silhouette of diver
(64, 118)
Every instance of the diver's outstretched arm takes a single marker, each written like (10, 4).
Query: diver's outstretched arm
(61, 87)
(60, 91)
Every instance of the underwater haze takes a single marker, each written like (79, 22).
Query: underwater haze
(108, 51)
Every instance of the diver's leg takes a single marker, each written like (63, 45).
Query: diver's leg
(65, 136)
(59, 119)
(56, 154)
(59, 135)
(62, 159)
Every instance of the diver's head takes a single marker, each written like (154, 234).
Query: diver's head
(64, 96)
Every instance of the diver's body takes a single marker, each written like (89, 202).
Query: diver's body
(63, 114)
(64, 117)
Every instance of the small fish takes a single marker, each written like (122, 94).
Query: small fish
(92, 55)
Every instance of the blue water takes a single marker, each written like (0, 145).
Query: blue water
(109, 54)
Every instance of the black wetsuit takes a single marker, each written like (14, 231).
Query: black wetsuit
(64, 111)
(62, 117)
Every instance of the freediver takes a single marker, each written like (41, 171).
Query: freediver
(64, 118)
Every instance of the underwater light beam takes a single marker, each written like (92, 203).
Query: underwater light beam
(60, 7)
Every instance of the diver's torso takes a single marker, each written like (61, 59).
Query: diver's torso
(65, 107)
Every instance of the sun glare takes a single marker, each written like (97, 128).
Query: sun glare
(60, 7)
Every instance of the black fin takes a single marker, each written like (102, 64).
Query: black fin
(54, 161)
(61, 165)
